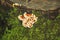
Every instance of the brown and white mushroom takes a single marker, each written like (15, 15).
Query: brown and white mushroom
(28, 19)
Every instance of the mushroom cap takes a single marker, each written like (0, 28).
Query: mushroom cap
(21, 17)
(26, 15)
(27, 19)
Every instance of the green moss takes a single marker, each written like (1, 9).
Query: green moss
(43, 29)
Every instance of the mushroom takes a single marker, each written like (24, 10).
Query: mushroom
(28, 19)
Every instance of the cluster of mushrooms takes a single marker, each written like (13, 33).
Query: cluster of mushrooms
(28, 19)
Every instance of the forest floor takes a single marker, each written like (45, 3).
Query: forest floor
(44, 29)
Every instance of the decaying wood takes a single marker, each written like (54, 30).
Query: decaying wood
(48, 5)
(52, 14)
(39, 4)
(6, 3)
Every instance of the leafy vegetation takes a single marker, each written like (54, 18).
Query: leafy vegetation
(43, 29)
